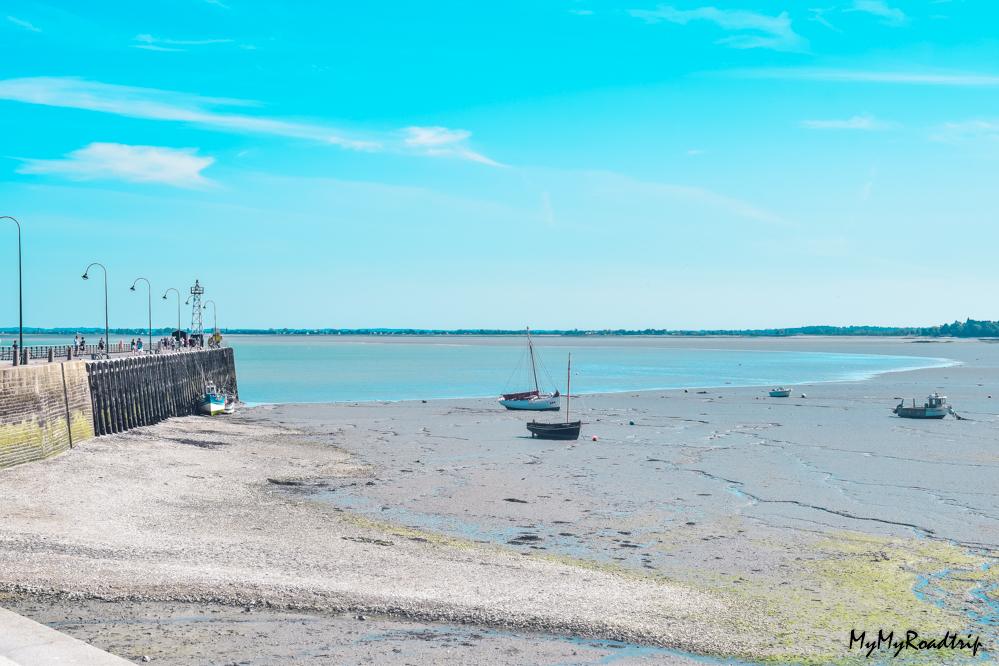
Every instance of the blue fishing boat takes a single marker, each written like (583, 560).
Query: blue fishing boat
(212, 402)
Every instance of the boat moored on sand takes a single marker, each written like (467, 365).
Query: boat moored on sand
(212, 402)
(569, 430)
(780, 392)
(531, 400)
(935, 407)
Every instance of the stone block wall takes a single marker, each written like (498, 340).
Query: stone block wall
(45, 409)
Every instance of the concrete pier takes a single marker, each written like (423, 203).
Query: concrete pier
(24, 642)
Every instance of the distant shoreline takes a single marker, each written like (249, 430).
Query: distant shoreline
(968, 329)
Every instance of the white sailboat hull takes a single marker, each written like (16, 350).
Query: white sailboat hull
(541, 403)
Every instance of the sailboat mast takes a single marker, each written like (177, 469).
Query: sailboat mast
(534, 369)
(568, 389)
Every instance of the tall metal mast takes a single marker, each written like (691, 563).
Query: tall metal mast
(197, 326)
(534, 369)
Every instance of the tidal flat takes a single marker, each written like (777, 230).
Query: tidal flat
(706, 524)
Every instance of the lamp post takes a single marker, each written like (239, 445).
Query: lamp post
(149, 293)
(107, 329)
(215, 315)
(20, 292)
(174, 290)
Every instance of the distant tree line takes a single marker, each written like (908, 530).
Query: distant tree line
(970, 328)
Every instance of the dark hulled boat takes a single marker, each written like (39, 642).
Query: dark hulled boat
(569, 430)
(554, 430)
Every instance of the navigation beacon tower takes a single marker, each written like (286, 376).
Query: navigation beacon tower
(197, 326)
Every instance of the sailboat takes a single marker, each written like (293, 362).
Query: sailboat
(567, 430)
(531, 400)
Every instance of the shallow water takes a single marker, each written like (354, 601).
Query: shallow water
(282, 369)
(299, 368)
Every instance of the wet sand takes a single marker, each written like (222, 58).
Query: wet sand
(724, 523)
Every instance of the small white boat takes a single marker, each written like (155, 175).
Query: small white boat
(780, 392)
(230, 404)
(533, 400)
(212, 402)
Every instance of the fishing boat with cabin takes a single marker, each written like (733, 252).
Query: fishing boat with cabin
(212, 402)
(935, 407)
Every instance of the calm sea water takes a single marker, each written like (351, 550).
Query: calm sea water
(280, 368)
(331, 369)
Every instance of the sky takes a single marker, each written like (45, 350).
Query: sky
(553, 163)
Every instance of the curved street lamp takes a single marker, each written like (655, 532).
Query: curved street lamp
(20, 293)
(149, 293)
(107, 330)
(215, 314)
(174, 290)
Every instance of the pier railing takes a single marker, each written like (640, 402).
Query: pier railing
(58, 352)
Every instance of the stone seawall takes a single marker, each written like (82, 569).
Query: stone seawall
(46, 409)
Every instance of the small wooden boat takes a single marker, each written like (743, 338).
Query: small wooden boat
(212, 402)
(780, 392)
(935, 407)
(533, 400)
(565, 431)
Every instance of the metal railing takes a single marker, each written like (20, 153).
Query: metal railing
(42, 352)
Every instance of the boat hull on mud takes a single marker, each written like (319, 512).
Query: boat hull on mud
(536, 403)
(564, 431)
(212, 405)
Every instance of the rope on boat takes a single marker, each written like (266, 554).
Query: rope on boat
(544, 368)
(516, 370)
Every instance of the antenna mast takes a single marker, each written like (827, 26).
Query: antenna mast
(197, 325)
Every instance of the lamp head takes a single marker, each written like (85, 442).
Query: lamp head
(164, 297)
(132, 288)
(86, 276)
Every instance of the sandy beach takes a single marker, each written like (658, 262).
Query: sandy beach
(709, 524)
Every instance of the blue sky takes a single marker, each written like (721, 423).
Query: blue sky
(558, 163)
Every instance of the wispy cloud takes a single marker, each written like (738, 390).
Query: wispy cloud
(443, 142)
(967, 79)
(151, 43)
(217, 3)
(889, 15)
(208, 112)
(620, 185)
(819, 16)
(754, 30)
(21, 23)
(116, 161)
(864, 122)
(977, 129)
